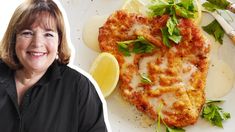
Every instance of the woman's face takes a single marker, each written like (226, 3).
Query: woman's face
(37, 46)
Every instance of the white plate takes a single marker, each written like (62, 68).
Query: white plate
(122, 116)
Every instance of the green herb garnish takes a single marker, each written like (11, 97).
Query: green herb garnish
(184, 9)
(168, 129)
(139, 45)
(165, 38)
(212, 5)
(171, 7)
(145, 79)
(214, 101)
(142, 46)
(215, 30)
(174, 32)
(214, 114)
(182, 12)
(122, 47)
(171, 32)
(159, 9)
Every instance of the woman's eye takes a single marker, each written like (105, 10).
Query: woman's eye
(27, 33)
(49, 35)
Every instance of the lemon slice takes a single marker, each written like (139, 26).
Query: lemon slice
(105, 70)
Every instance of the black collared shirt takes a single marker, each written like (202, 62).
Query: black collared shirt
(63, 100)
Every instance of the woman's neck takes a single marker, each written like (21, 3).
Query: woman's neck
(25, 79)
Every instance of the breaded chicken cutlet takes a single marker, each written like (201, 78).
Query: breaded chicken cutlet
(177, 73)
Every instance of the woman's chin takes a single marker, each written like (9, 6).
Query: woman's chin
(36, 67)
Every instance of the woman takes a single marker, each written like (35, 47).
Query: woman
(38, 91)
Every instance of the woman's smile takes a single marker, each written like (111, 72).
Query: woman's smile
(36, 54)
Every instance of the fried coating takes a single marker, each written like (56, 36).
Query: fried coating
(177, 74)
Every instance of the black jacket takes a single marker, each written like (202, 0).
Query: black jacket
(63, 100)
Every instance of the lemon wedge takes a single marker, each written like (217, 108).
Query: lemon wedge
(105, 70)
(136, 6)
(198, 14)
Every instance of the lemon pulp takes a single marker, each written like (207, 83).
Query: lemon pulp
(105, 70)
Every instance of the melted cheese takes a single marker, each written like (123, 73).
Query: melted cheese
(135, 81)
(129, 59)
(143, 64)
(187, 75)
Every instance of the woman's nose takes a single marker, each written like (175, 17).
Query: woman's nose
(37, 40)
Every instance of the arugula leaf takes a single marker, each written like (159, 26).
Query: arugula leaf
(220, 4)
(140, 45)
(214, 114)
(216, 30)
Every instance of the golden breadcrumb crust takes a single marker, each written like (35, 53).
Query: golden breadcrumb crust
(178, 74)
